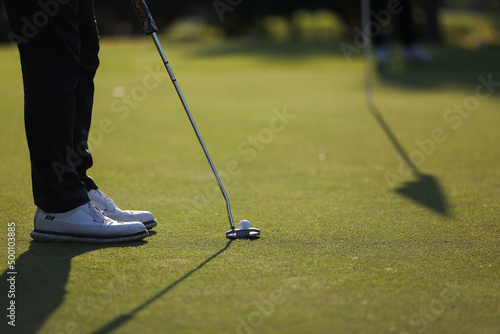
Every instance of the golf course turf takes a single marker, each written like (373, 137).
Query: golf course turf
(350, 241)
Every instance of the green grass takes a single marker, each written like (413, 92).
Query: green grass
(340, 250)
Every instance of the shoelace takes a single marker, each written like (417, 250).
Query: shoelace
(97, 211)
(103, 195)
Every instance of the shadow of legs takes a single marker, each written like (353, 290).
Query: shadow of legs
(42, 274)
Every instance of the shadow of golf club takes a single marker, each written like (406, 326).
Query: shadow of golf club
(42, 275)
(120, 321)
(387, 130)
(425, 190)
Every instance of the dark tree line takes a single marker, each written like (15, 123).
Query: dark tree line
(239, 17)
(234, 17)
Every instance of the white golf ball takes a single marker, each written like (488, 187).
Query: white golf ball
(244, 225)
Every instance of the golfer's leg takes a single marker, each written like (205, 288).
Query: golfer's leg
(405, 25)
(89, 63)
(377, 6)
(50, 65)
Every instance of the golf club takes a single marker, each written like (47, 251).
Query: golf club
(142, 10)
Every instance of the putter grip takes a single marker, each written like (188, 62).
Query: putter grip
(145, 17)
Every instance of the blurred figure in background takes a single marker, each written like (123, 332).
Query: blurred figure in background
(405, 30)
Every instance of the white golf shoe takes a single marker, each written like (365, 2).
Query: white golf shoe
(109, 208)
(86, 223)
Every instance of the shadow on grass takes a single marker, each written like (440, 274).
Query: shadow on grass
(120, 321)
(451, 68)
(42, 274)
(271, 49)
(425, 190)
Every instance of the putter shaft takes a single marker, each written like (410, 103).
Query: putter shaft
(150, 28)
(193, 124)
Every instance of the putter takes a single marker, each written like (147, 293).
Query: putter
(150, 28)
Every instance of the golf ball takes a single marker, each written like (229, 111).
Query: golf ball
(244, 225)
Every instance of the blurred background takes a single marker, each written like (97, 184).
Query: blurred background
(460, 23)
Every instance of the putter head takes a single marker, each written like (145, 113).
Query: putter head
(248, 233)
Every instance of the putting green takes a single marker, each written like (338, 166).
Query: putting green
(351, 243)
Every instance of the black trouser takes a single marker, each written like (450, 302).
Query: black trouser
(58, 45)
(403, 23)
